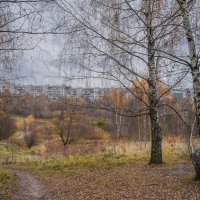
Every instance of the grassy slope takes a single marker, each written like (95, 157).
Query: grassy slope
(114, 155)
(106, 155)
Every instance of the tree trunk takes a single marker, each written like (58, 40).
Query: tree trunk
(196, 163)
(156, 136)
(194, 66)
(64, 149)
(196, 88)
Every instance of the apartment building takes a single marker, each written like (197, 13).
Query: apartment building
(55, 92)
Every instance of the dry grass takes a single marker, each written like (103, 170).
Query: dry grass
(49, 146)
(173, 149)
(98, 155)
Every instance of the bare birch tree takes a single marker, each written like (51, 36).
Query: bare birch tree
(121, 41)
(186, 8)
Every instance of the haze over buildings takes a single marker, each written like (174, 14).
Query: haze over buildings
(55, 92)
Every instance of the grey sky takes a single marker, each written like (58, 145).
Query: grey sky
(38, 66)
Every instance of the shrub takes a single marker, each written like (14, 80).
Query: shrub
(30, 129)
(30, 139)
(7, 126)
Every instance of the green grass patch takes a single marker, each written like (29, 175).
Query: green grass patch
(110, 155)
(5, 176)
(76, 163)
(113, 156)
(6, 184)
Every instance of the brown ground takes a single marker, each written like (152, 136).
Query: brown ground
(137, 181)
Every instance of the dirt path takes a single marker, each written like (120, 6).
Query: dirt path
(29, 188)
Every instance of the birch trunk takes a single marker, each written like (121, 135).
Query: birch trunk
(194, 66)
(156, 136)
(156, 146)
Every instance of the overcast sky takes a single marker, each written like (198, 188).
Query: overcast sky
(39, 66)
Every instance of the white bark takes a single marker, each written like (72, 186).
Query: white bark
(194, 62)
(156, 149)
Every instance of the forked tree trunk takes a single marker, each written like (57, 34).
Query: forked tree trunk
(194, 66)
(156, 136)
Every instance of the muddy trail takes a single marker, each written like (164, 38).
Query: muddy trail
(29, 187)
